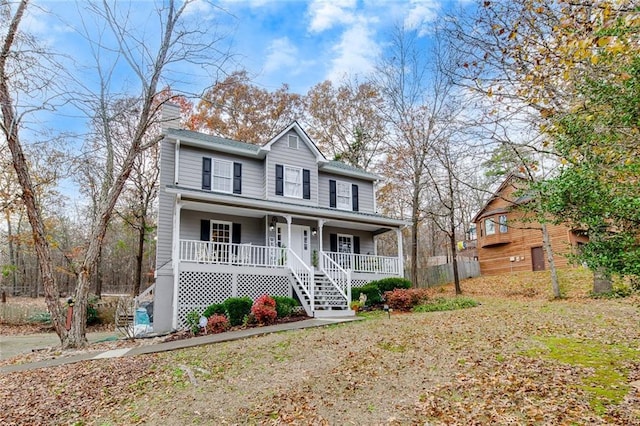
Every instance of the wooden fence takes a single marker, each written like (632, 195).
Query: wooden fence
(443, 274)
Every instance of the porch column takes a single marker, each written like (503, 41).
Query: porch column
(320, 257)
(375, 245)
(400, 252)
(175, 255)
(288, 219)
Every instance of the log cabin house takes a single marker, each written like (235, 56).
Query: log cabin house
(508, 242)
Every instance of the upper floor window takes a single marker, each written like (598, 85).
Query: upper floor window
(293, 141)
(343, 195)
(222, 176)
(489, 226)
(292, 182)
(502, 220)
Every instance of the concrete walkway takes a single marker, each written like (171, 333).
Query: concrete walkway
(166, 346)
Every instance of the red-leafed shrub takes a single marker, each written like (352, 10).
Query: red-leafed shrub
(404, 299)
(217, 323)
(264, 310)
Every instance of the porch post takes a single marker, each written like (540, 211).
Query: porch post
(175, 255)
(288, 219)
(400, 253)
(320, 257)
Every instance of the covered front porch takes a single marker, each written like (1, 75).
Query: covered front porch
(227, 251)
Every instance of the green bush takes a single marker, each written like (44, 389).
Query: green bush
(216, 308)
(193, 321)
(391, 283)
(237, 308)
(446, 304)
(372, 292)
(284, 305)
(40, 317)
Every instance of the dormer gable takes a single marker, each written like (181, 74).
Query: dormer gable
(294, 129)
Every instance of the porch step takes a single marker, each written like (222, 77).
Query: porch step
(328, 302)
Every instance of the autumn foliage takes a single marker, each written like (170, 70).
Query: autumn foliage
(217, 324)
(405, 299)
(264, 310)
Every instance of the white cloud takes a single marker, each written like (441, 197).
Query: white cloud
(201, 8)
(281, 53)
(327, 13)
(422, 13)
(356, 52)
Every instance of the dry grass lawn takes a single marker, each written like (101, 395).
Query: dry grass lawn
(518, 358)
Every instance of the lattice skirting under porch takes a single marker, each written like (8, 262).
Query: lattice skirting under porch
(199, 289)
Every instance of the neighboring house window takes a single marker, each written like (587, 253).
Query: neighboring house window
(293, 141)
(490, 227)
(502, 220)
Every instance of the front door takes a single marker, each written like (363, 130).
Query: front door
(537, 258)
(300, 240)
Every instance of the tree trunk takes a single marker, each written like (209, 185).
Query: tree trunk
(139, 257)
(414, 246)
(12, 256)
(546, 243)
(98, 272)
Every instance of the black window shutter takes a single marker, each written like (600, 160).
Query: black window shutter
(356, 244)
(279, 179)
(354, 197)
(306, 184)
(205, 230)
(237, 178)
(235, 233)
(332, 193)
(333, 242)
(206, 173)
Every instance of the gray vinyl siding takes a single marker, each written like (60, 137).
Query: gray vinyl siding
(190, 173)
(365, 191)
(252, 229)
(165, 206)
(366, 238)
(302, 157)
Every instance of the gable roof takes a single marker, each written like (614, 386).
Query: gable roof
(230, 146)
(497, 194)
(303, 135)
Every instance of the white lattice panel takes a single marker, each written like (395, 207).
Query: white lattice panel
(359, 283)
(254, 285)
(197, 290)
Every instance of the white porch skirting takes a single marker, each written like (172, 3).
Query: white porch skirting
(200, 285)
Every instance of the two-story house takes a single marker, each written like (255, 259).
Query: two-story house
(237, 219)
(510, 239)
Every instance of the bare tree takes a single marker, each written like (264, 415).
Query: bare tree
(177, 43)
(416, 103)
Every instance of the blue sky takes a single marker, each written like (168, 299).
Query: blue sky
(300, 43)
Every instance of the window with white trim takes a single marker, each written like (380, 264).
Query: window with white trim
(345, 243)
(293, 141)
(222, 175)
(292, 182)
(220, 232)
(489, 226)
(343, 195)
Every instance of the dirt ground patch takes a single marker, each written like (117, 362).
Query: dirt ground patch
(484, 365)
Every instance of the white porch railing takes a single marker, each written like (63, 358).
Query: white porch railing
(339, 277)
(366, 263)
(232, 254)
(303, 273)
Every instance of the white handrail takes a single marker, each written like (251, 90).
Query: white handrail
(303, 273)
(232, 254)
(366, 263)
(338, 276)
